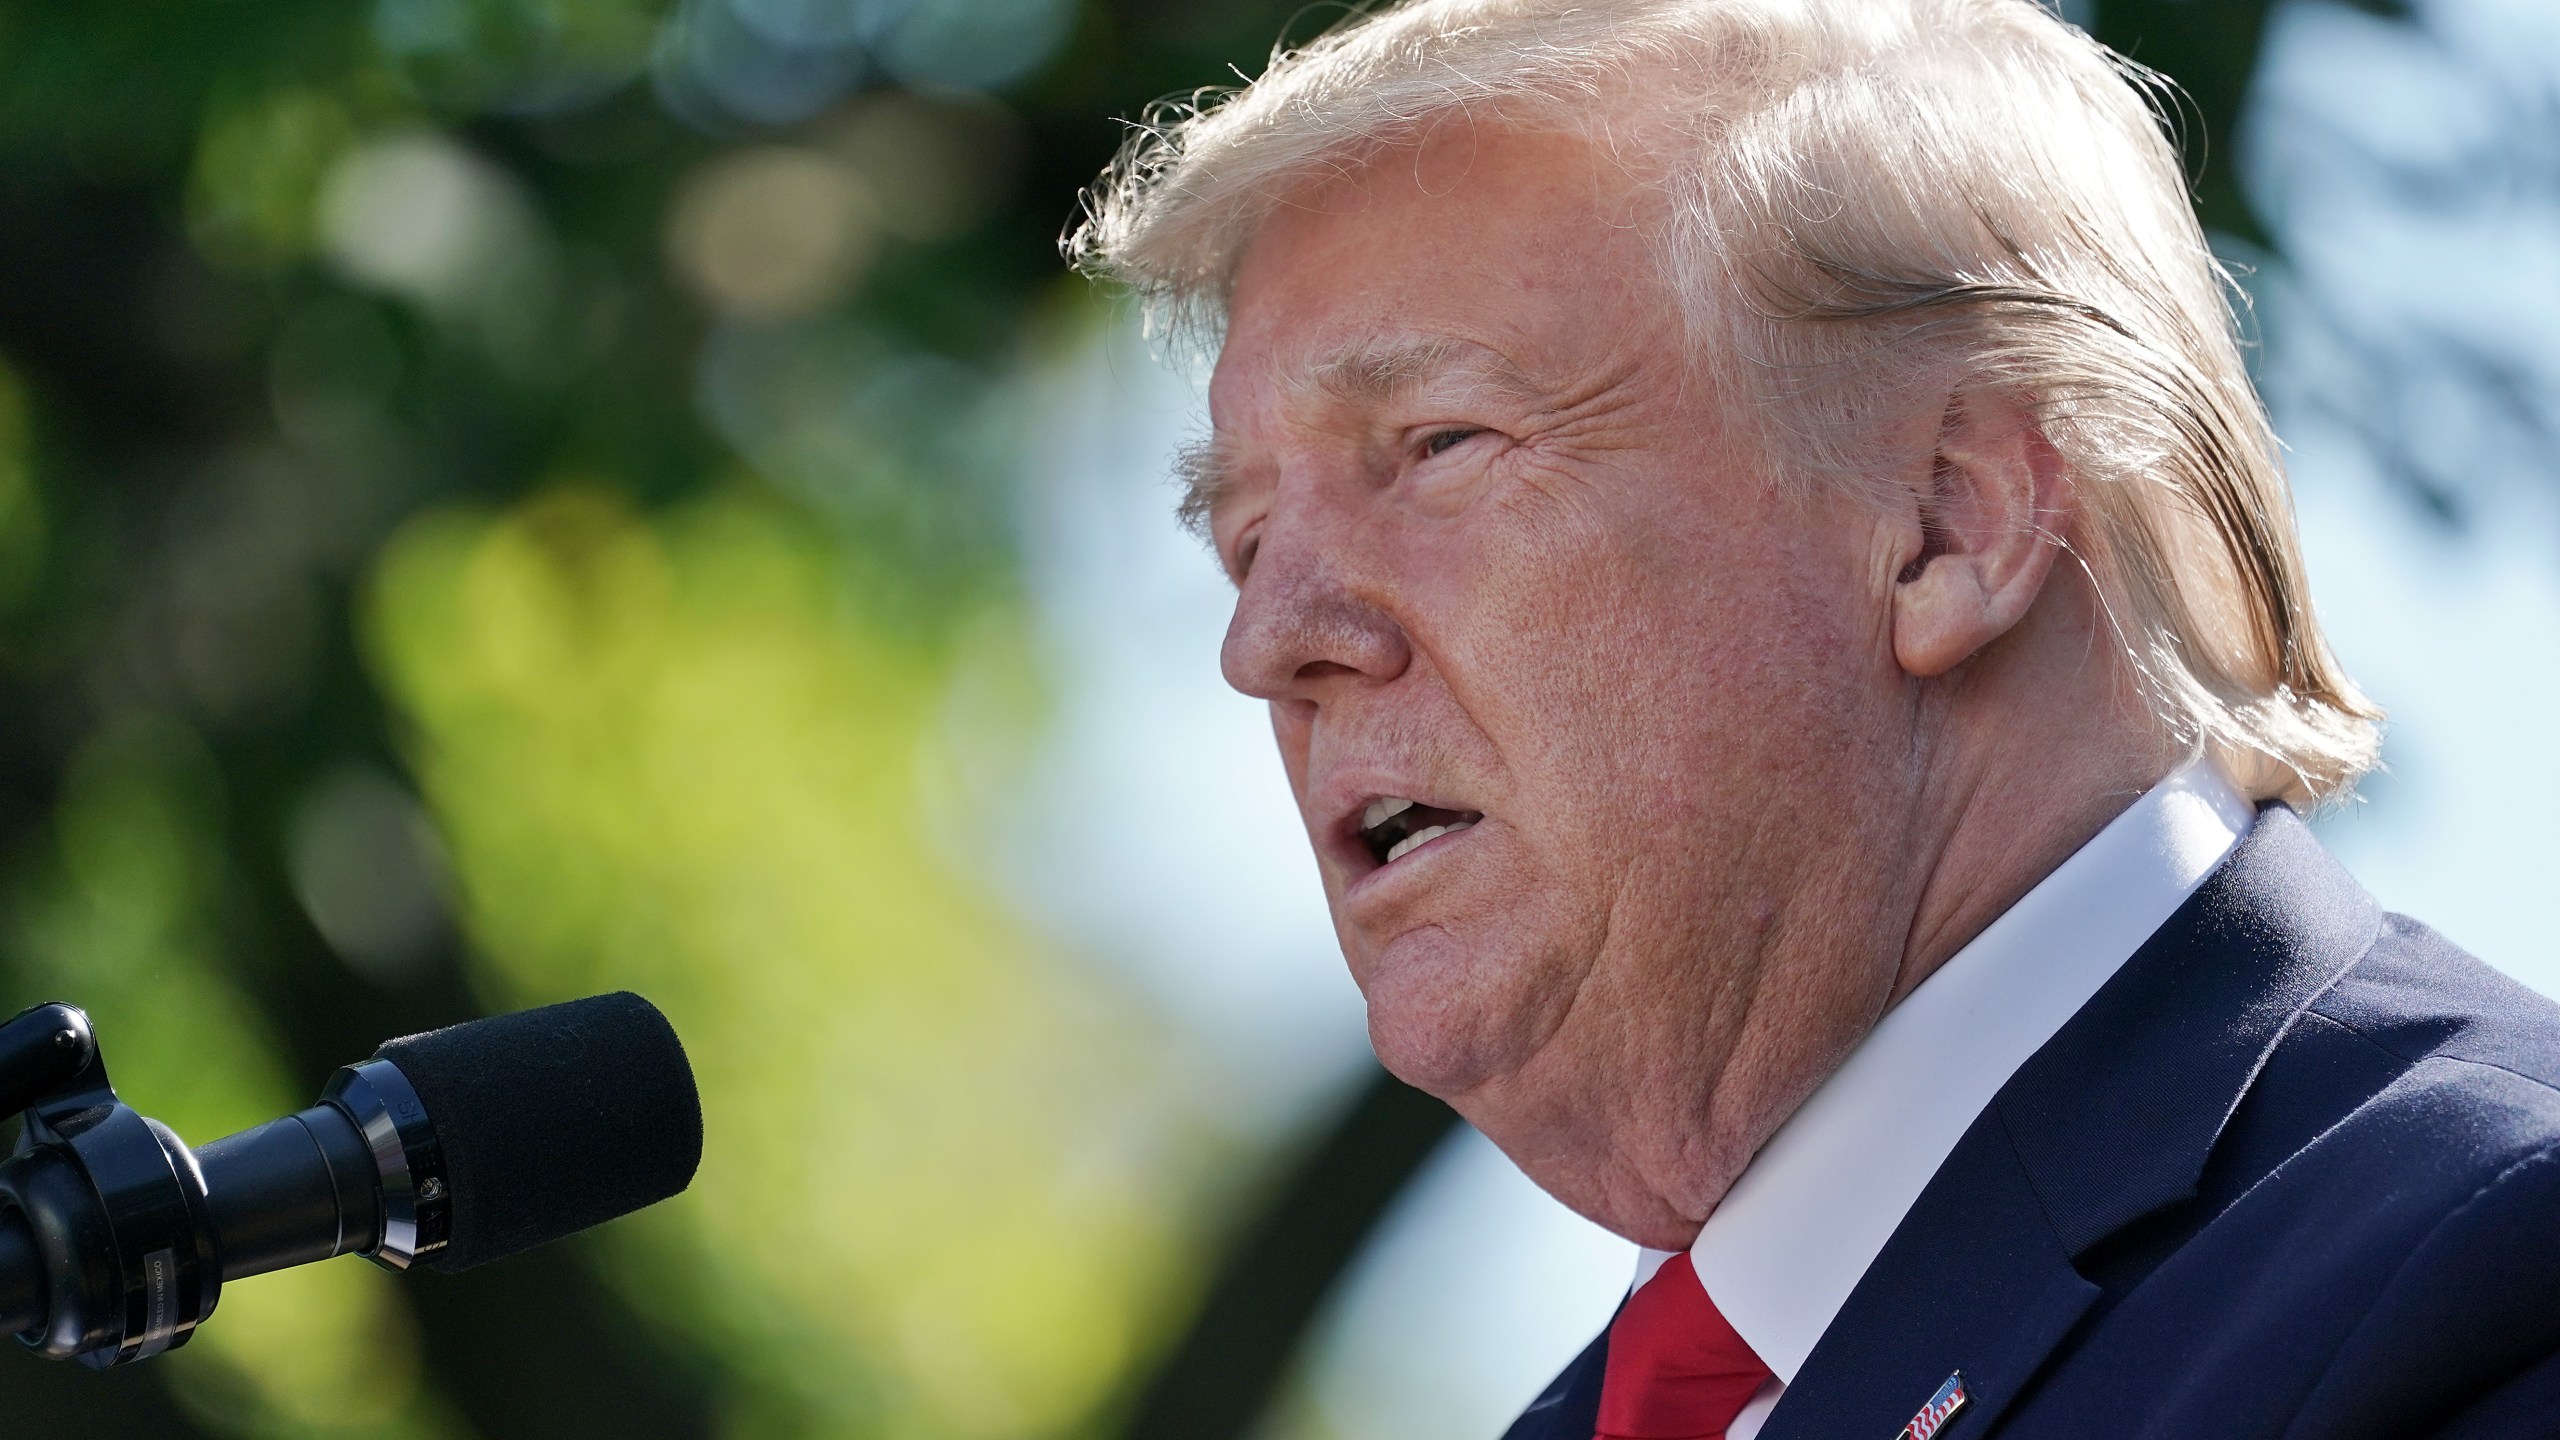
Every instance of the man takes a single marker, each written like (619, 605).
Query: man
(1781, 611)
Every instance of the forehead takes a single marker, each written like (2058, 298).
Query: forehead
(1495, 258)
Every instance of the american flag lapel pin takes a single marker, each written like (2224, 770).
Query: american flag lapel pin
(1941, 1408)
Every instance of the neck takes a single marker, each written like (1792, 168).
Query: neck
(2011, 764)
(2018, 776)
(1985, 781)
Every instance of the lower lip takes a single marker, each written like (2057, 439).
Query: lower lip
(1401, 863)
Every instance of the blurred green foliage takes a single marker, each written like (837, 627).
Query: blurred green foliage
(667, 756)
(497, 501)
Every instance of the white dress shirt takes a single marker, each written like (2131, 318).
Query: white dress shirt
(1793, 1236)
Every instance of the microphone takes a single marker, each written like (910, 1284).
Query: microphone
(447, 1149)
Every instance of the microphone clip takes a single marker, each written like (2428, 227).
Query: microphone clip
(116, 1201)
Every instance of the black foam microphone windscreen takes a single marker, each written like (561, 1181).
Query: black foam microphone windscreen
(552, 1120)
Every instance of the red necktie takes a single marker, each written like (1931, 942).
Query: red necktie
(1676, 1371)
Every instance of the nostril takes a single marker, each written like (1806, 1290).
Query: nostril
(1298, 632)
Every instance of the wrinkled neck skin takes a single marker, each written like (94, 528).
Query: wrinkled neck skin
(1984, 781)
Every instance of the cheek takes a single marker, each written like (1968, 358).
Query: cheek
(1677, 628)
(1659, 690)
(1505, 596)
(1606, 648)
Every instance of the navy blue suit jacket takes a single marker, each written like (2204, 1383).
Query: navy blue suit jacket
(2295, 1171)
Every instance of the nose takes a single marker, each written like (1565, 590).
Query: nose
(1304, 628)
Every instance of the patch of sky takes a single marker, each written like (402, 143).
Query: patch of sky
(1477, 1288)
(2410, 352)
(1156, 827)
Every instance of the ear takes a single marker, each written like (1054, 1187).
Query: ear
(1980, 535)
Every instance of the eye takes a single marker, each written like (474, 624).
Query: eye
(1442, 441)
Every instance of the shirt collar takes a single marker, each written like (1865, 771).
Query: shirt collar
(1793, 1236)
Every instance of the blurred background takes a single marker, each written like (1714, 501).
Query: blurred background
(506, 499)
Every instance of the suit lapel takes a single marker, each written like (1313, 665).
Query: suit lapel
(1974, 1281)
(2111, 1121)
(1570, 1408)
(2115, 1117)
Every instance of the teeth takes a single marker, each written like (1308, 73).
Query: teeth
(1424, 836)
(1418, 837)
(1383, 810)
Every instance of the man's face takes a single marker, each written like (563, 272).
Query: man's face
(1499, 557)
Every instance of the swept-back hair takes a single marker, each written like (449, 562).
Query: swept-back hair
(1864, 204)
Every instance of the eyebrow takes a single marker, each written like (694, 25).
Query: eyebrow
(1371, 372)
(1205, 467)
(1374, 371)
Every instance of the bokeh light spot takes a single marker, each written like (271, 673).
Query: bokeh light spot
(418, 215)
(771, 232)
(936, 166)
(369, 871)
(972, 44)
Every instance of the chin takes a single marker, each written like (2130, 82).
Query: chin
(1429, 1054)
(1446, 1019)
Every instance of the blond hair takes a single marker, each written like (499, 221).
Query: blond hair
(1865, 201)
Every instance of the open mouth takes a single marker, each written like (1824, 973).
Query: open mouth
(1392, 826)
